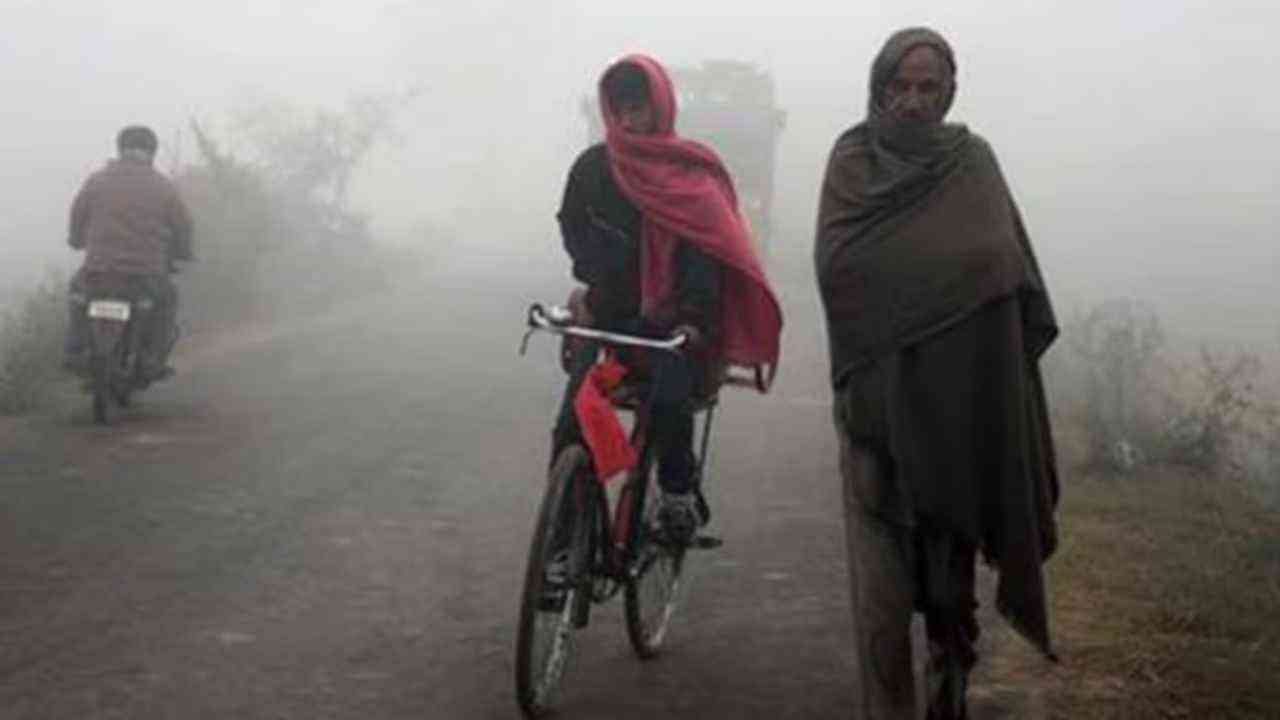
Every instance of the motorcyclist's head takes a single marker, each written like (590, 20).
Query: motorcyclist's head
(137, 140)
(627, 90)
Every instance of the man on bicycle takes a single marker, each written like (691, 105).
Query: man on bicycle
(651, 222)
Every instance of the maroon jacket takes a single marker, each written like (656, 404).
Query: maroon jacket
(129, 219)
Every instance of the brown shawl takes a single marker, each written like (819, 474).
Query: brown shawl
(917, 234)
(916, 230)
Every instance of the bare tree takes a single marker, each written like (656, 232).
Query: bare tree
(1117, 342)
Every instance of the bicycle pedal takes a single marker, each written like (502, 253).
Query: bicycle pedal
(706, 542)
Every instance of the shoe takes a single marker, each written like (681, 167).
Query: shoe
(679, 517)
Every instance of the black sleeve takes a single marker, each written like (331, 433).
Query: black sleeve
(599, 250)
(79, 218)
(698, 288)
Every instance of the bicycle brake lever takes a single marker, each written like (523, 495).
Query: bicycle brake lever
(524, 341)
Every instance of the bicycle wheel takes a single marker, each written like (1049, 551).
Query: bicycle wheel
(655, 576)
(556, 576)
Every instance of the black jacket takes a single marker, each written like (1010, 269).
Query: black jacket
(601, 231)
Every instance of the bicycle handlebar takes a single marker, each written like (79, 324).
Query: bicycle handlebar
(558, 322)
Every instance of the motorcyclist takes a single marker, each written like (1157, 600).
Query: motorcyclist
(132, 225)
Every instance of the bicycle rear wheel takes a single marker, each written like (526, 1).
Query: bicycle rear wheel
(655, 577)
(557, 575)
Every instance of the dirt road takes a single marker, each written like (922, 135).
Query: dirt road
(328, 519)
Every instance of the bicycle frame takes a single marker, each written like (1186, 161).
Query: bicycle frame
(619, 527)
(587, 546)
(623, 531)
(617, 542)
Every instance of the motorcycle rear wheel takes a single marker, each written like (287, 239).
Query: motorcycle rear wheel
(104, 399)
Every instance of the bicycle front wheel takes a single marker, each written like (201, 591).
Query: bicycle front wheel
(556, 576)
(654, 579)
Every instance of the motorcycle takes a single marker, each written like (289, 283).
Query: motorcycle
(117, 318)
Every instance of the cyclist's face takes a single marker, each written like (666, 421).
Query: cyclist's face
(919, 89)
(636, 115)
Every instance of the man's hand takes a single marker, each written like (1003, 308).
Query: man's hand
(694, 335)
(578, 307)
(581, 315)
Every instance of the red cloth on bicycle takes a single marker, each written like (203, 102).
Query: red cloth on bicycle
(685, 193)
(611, 450)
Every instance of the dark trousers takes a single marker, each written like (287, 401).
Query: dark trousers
(897, 568)
(671, 420)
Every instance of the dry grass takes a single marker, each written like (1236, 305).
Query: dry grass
(31, 335)
(1166, 601)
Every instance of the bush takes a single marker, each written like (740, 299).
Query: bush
(1210, 430)
(273, 229)
(1261, 460)
(31, 336)
(236, 223)
(1115, 347)
(1132, 402)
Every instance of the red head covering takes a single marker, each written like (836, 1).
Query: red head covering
(684, 193)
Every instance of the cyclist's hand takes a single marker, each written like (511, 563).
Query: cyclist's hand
(694, 335)
(580, 314)
(578, 307)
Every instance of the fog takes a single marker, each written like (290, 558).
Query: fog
(325, 513)
(1138, 141)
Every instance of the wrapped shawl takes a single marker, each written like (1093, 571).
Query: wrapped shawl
(916, 230)
(684, 192)
(927, 276)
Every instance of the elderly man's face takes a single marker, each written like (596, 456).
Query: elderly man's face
(919, 89)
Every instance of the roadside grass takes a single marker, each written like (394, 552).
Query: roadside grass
(31, 336)
(1165, 600)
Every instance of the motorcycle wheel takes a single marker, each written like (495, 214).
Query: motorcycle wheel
(104, 399)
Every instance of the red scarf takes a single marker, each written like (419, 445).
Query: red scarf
(602, 431)
(685, 193)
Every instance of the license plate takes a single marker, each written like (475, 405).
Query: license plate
(109, 310)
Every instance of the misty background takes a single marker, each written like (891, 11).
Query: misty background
(1140, 142)
(325, 513)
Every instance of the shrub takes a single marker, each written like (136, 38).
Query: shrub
(1115, 346)
(1210, 429)
(31, 336)
(1127, 400)
(273, 227)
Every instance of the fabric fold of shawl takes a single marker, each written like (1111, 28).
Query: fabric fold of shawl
(891, 273)
(918, 235)
(684, 193)
(611, 450)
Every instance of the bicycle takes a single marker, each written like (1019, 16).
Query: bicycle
(585, 552)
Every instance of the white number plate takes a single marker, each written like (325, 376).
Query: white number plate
(109, 310)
